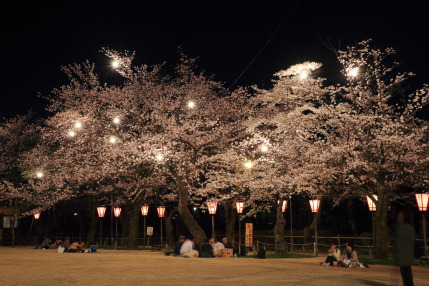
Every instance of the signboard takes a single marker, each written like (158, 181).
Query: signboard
(149, 230)
(248, 238)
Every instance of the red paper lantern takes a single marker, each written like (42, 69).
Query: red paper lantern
(36, 215)
(314, 205)
(145, 210)
(371, 204)
(117, 212)
(422, 202)
(161, 211)
(240, 207)
(101, 211)
(212, 206)
(284, 205)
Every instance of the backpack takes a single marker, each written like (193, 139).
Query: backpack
(61, 249)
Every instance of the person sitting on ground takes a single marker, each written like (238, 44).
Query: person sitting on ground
(187, 249)
(56, 244)
(350, 258)
(46, 244)
(226, 243)
(206, 249)
(216, 245)
(334, 254)
(179, 244)
(76, 247)
(66, 243)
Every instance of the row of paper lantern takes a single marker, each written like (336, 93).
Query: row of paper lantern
(422, 202)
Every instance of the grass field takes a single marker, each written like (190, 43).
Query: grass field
(26, 266)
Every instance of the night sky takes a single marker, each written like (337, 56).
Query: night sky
(37, 39)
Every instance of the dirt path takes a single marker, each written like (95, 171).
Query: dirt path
(26, 266)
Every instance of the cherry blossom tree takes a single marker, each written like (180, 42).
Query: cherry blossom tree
(372, 139)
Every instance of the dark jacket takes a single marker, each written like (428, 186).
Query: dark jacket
(177, 248)
(206, 250)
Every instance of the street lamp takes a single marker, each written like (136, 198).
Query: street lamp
(101, 212)
(117, 213)
(284, 205)
(36, 215)
(372, 208)
(248, 164)
(145, 210)
(212, 206)
(240, 207)
(422, 202)
(314, 205)
(39, 175)
(352, 72)
(161, 214)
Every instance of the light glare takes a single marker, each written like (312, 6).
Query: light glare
(191, 104)
(303, 75)
(264, 148)
(72, 133)
(116, 120)
(112, 139)
(78, 125)
(39, 175)
(115, 64)
(159, 157)
(352, 72)
(248, 164)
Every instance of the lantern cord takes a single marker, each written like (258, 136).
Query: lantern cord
(265, 45)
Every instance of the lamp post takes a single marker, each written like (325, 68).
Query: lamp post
(372, 208)
(161, 214)
(291, 230)
(117, 213)
(145, 210)
(240, 207)
(314, 205)
(101, 212)
(422, 202)
(212, 206)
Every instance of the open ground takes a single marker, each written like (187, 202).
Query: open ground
(27, 266)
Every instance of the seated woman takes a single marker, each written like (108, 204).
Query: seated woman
(350, 258)
(216, 245)
(334, 254)
(76, 247)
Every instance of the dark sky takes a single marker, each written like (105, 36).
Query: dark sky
(37, 39)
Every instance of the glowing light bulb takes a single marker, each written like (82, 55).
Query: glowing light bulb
(72, 133)
(115, 64)
(78, 125)
(39, 175)
(116, 120)
(191, 104)
(159, 157)
(112, 139)
(248, 164)
(264, 148)
(303, 75)
(352, 72)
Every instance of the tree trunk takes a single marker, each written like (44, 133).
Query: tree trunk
(230, 216)
(279, 239)
(169, 229)
(381, 237)
(133, 226)
(186, 216)
(351, 217)
(93, 223)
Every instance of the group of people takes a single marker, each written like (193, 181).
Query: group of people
(192, 248)
(347, 259)
(64, 246)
